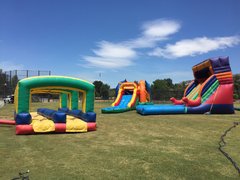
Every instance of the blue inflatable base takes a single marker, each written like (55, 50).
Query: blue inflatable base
(160, 109)
(213, 109)
(56, 116)
(181, 109)
(87, 117)
(115, 109)
(23, 118)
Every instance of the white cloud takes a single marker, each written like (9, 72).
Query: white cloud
(110, 50)
(110, 55)
(196, 46)
(160, 28)
(122, 54)
(9, 65)
(108, 62)
(153, 33)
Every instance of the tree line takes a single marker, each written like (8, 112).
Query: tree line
(161, 89)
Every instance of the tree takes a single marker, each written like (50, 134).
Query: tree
(169, 82)
(14, 82)
(161, 88)
(164, 89)
(98, 85)
(236, 79)
(112, 92)
(104, 91)
(101, 89)
(2, 83)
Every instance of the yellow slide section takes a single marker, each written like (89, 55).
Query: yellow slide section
(75, 125)
(133, 100)
(41, 124)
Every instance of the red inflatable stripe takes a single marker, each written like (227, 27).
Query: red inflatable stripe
(59, 128)
(9, 122)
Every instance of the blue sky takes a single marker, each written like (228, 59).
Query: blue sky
(146, 39)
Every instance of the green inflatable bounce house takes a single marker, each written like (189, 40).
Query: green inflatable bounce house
(67, 118)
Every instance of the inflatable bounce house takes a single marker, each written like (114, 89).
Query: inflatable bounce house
(128, 95)
(68, 118)
(211, 91)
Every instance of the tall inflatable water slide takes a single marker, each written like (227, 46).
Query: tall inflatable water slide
(211, 91)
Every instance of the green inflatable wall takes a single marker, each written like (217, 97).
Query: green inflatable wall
(24, 87)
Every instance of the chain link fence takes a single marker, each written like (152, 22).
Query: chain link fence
(9, 79)
(162, 96)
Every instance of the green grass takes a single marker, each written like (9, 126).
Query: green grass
(125, 146)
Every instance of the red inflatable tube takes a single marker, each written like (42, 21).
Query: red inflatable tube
(24, 129)
(91, 126)
(190, 103)
(59, 128)
(176, 102)
(9, 122)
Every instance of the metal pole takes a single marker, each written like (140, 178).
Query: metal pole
(4, 92)
(10, 78)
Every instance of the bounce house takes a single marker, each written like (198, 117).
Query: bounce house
(211, 91)
(129, 94)
(68, 118)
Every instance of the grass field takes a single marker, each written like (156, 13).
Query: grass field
(125, 146)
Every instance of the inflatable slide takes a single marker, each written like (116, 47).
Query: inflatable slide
(211, 91)
(129, 94)
(68, 118)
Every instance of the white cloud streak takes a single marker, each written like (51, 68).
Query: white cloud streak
(160, 28)
(108, 62)
(196, 46)
(122, 54)
(153, 33)
(109, 55)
